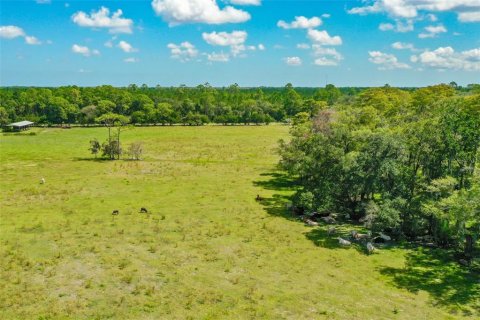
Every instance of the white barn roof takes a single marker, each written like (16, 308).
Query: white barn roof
(20, 124)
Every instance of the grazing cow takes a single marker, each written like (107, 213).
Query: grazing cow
(331, 231)
(311, 223)
(343, 242)
(384, 236)
(361, 236)
(143, 210)
(370, 248)
(42, 181)
(115, 212)
(328, 219)
(258, 198)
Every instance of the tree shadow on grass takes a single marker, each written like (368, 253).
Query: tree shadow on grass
(434, 271)
(430, 270)
(276, 204)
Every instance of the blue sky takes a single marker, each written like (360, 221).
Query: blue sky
(249, 42)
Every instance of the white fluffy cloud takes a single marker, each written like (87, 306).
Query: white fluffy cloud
(246, 2)
(102, 19)
(301, 22)
(399, 26)
(12, 32)
(85, 51)
(445, 58)
(432, 31)
(31, 40)
(184, 51)
(403, 46)
(177, 12)
(323, 38)
(293, 61)
(386, 61)
(235, 40)
(473, 16)
(326, 56)
(126, 47)
(225, 38)
(467, 10)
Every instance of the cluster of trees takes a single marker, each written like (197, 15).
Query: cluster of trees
(112, 148)
(160, 105)
(405, 162)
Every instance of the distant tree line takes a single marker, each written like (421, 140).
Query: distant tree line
(171, 105)
(405, 162)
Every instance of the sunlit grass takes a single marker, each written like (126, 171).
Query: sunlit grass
(208, 250)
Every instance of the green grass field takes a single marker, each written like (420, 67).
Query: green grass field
(208, 250)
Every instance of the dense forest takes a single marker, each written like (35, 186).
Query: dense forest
(183, 105)
(404, 163)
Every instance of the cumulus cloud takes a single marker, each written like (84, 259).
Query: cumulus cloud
(246, 2)
(126, 47)
(293, 61)
(323, 38)
(326, 56)
(432, 31)
(301, 22)
(467, 10)
(386, 61)
(177, 12)
(399, 26)
(85, 51)
(102, 19)
(403, 46)
(444, 58)
(31, 40)
(235, 40)
(473, 16)
(184, 51)
(12, 32)
(261, 47)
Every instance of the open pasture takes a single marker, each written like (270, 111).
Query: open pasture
(205, 250)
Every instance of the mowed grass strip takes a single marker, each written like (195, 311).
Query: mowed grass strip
(206, 250)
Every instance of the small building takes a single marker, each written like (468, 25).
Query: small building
(19, 126)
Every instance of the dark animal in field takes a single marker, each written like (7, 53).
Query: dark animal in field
(115, 212)
(143, 210)
(298, 210)
(379, 240)
(464, 262)
(315, 216)
(258, 198)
